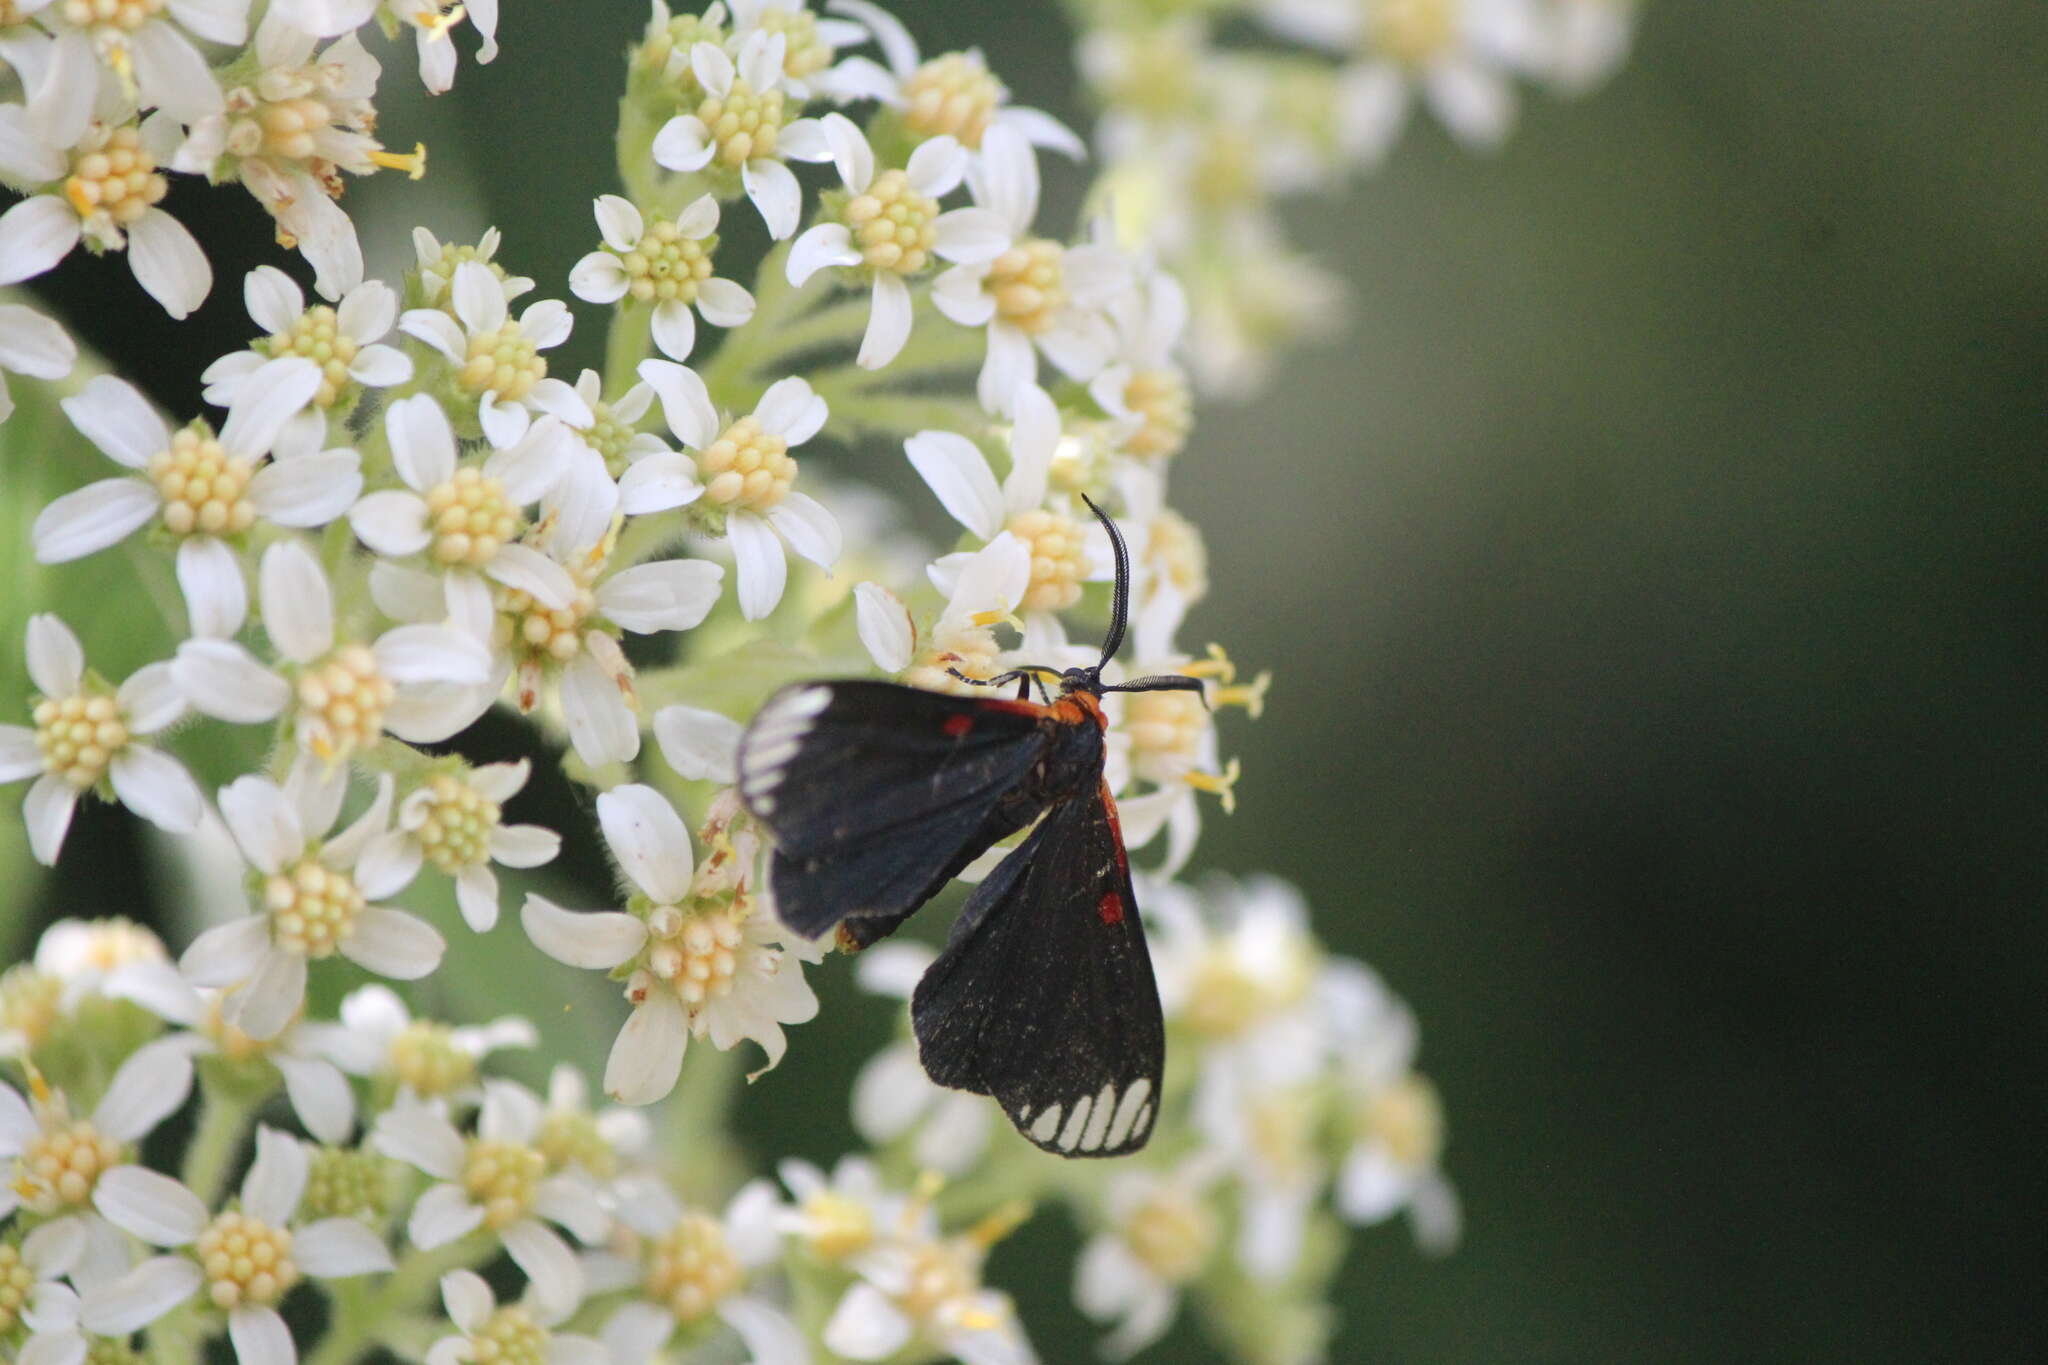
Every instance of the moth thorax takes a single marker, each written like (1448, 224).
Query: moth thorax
(690, 1268)
(1407, 1119)
(954, 93)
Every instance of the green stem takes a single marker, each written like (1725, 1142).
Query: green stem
(626, 345)
(223, 1121)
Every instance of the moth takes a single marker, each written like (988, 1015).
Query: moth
(877, 795)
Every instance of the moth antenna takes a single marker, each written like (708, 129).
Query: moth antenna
(1164, 682)
(1120, 603)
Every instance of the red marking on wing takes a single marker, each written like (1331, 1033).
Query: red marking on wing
(958, 725)
(1112, 908)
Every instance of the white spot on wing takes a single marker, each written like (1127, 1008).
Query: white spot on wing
(1120, 1129)
(1076, 1121)
(1048, 1124)
(1098, 1118)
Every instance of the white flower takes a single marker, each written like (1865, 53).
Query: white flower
(666, 263)
(486, 1332)
(203, 489)
(954, 94)
(248, 1256)
(169, 71)
(1143, 388)
(379, 1037)
(33, 1293)
(314, 903)
(1159, 1233)
(345, 341)
(33, 345)
(811, 43)
(983, 590)
(1587, 41)
(430, 20)
(497, 358)
(42, 229)
(840, 1216)
(702, 746)
(1033, 292)
(595, 1143)
(413, 680)
(54, 1162)
(694, 1266)
(892, 1095)
(467, 519)
(86, 954)
(454, 821)
(1459, 55)
(496, 1180)
(707, 955)
(87, 735)
(926, 1289)
(747, 104)
(1395, 1119)
(890, 228)
(319, 1093)
(746, 471)
(436, 262)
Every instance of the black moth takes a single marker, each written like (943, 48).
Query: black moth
(877, 795)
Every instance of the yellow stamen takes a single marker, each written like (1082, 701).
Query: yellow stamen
(38, 1088)
(436, 25)
(1251, 696)
(1219, 785)
(414, 164)
(1000, 1223)
(1217, 665)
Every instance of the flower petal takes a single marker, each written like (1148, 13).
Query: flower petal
(958, 473)
(773, 188)
(885, 628)
(553, 1273)
(227, 953)
(758, 561)
(216, 595)
(139, 1297)
(337, 1248)
(648, 1054)
(263, 1006)
(524, 845)
(154, 1207)
(669, 594)
(649, 840)
(320, 1095)
(889, 319)
(47, 812)
(261, 1338)
(699, 745)
(393, 943)
(156, 787)
(675, 329)
(441, 1215)
(416, 1133)
(809, 527)
(222, 679)
(113, 415)
(297, 604)
(92, 518)
(168, 263)
(600, 940)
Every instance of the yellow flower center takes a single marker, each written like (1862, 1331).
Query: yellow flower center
(347, 1184)
(1408, 1117)
(234, 1044)
(110, 18)
(698, 954)
(744, 125)
(569, 1138)
(554, 633)
(894, 226)
(954, 93)
(248, 1262)
(31, 1002)
(1028, 284)
(1283, 1132)
(316, 335)
(746, 467)
(114, 178)
(425, 1057)
(1059, 558)
(837, 1227)
(1161, 399)
(79, 736)
(503, 1177)
(455, 830)
(674, 40)
(690, 1268)
(1166, 728)
(1226, 999)
(205, 490)
(1172, 1233)
(436, 279)
(17, 1283)
(666, 264)
(471, 518)
(342, 700)
(61, 1164)
(285, 129)
(941, 1273)
(312, 907)
(971, 650)
(804, 53)
(1176, 553)
(1414, 32)
(1226, 172)
(509, 1336)
(609, 437)
(503, 362)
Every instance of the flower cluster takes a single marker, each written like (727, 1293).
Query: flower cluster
(398, 518)
(1202, 136)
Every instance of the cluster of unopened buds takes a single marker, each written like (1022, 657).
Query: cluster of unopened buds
(393, 516)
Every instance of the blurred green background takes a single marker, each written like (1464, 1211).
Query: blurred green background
(1653, 573)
